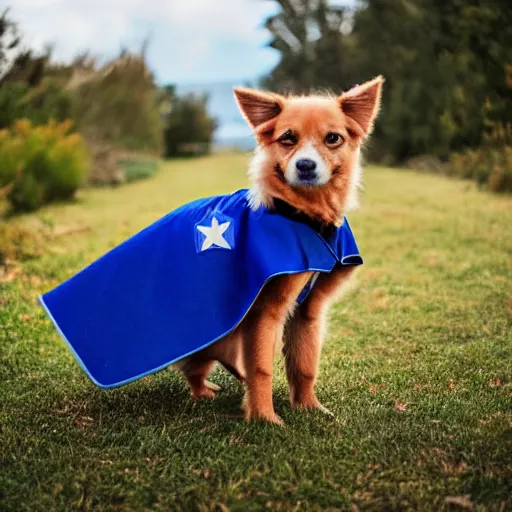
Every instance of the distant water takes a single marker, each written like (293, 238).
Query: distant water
(233, 131)
(240, 143)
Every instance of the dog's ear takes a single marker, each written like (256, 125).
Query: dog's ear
(258, 107)
(361, 105)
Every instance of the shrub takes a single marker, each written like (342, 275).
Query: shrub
(38, 104)
(425, 163)
(116, 105)
(42, 164)
(138, 167)
(19, 243)
(113, 166)
(12, 104)
(500, 177)
(50, 100)
(105, 169)
(490, 167)
(189, 128)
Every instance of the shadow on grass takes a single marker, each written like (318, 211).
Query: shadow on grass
(153, 401)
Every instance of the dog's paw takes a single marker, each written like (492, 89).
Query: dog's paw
(268, 416)
(324, 409)
(203, 392)
(312, 404)
(252, 412)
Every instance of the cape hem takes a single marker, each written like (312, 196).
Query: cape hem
(163, 366)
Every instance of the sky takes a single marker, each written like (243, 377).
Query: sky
(191, 41)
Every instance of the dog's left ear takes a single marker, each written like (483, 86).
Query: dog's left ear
(361, 104)
(258, 107)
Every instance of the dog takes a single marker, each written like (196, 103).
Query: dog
(308, 158)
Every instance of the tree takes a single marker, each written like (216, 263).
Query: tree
(117, 104)
(307, 34)
(443, 62)
(9, 41)
(18, 64)
(445, 65)
(30, 87)
(189, 128)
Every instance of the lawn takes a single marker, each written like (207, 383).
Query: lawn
(417, 368)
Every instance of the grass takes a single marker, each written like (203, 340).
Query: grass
(417, 368)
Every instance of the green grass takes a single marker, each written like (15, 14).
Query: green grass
(417, 368)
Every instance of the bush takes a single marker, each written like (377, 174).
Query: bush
(50, 100)
(116, 105)
(113, 166)
(500, 178)
(41, 164)
(189, 128)
(491, 168)
(12, 104)
(19, 243)
(137, 168)
(38, 104)
(425, 163)
(105, 168)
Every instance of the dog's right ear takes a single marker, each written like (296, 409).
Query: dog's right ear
(361, 105)
(258, 107)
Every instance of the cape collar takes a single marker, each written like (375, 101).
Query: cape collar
(285, 209)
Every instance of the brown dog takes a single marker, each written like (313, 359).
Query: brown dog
(308, 156)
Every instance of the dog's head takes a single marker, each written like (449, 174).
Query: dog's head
(309, 147)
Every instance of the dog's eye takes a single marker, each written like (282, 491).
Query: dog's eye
(333, 140)
(288, 139)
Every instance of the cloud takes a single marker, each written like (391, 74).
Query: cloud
(103, 25)
(190, 40)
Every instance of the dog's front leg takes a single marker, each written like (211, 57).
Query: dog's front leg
(259, 360)
(303, 338)
(265, 319)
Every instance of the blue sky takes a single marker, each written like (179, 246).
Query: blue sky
(192, 41)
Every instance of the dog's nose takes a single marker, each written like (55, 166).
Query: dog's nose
(306, 168)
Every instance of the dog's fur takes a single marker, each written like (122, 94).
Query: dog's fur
(288, 129)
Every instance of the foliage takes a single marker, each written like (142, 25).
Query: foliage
(425, 163)
(49, 101)
(489, 167)
(9, 42)
(138, 167)
(415, 367)
(105, 169)
(17, 63)
(117, 105)
(31, 87)
(12, 103)
(188, 126)
(443, 61)
(447, 66)
(42, 163)
(19, 243)
(307, 34)
(40, 104)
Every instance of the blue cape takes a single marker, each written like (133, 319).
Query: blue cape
(183, 283)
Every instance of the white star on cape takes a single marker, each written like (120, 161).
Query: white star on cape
(214, 234)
